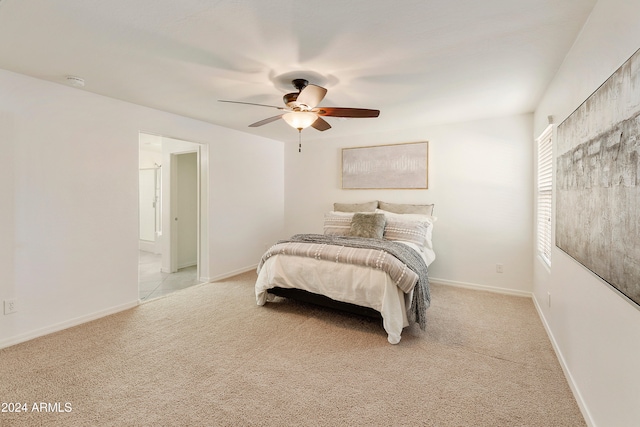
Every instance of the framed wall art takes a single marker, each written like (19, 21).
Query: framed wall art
(598, 181)
(397, 166)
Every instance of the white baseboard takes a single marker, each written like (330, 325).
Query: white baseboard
(65, 325)
(147, 246)
(574, 388)
(232, 273)
(478, 287)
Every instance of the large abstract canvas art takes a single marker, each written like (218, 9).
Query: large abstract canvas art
(398, 166)
(598, 181)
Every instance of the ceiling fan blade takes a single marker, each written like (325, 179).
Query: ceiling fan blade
(252, 103)
(321, 124)
(265, 121)
(346, 112)
(311, 95)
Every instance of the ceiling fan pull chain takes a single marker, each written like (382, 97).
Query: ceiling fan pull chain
(299, 140)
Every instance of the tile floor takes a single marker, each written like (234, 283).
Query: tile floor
(152, 283)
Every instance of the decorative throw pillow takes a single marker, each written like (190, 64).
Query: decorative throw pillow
(356, 207)
(427, 220)
(402, 208)
(407, 231)
(369, 225)
(337, 223)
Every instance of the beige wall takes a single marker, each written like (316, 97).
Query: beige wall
(69, 216)
(596, 331)
(480, 179)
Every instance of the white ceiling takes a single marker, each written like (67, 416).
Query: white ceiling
(418, 61)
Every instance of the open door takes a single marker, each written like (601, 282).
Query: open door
(184, 210)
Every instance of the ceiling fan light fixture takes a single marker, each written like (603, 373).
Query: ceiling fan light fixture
(300, 119)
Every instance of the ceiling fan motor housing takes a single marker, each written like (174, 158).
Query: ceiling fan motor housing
(290, 99)
(300, 84)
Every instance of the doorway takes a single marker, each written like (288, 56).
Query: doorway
(169, 258)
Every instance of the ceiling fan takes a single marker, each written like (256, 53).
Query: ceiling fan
(301, 109)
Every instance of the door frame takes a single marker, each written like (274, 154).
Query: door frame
(176, 145)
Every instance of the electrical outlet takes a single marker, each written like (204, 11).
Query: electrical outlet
(549, 299)
(499, 268)
(10, 306)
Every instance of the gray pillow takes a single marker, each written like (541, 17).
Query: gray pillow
(356, 207)
(403, 208)
(369, 225)
(407, 231)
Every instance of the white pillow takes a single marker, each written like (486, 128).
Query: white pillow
(408, 217)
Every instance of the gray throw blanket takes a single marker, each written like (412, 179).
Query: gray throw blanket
(421, 295)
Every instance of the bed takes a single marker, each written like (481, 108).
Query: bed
(371, 259)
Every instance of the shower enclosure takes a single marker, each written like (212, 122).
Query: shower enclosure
(150, 218)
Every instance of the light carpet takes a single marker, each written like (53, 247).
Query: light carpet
(208, 356)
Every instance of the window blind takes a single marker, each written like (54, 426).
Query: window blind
(545, 194)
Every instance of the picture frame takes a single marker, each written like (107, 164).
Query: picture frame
(597, 198)
(394, 166)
